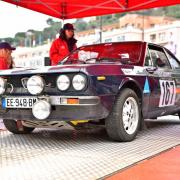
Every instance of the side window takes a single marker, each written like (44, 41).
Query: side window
(175, 64)
(148, 61)
(159, 57)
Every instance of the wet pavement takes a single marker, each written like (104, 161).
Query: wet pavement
(88, 154)
(2, 125)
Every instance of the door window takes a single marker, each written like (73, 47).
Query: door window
(148, 61)
(175, 64)
(159, 57)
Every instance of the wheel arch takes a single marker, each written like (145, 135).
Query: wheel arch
(132, 84)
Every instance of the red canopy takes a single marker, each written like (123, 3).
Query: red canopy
(67, 9)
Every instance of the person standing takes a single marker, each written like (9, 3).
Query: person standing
(63, 45)
(5, 56)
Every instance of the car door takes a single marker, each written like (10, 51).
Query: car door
(162, 85)
(175, 65)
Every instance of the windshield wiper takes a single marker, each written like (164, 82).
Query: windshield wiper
(123, 61)
(90, 60)
(102, 59)
(71, 61)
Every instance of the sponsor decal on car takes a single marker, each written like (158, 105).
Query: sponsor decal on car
(168, 93)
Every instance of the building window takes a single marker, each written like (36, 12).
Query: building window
(162, 36)
(108, 40)
(126, 25)
(153, 37)
(121, 38)
(152, 25)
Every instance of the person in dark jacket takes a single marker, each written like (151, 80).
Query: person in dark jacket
(5, 56)
(63, 45)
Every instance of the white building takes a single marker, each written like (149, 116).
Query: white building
(166, 35)
(115, 35)
(31, 57)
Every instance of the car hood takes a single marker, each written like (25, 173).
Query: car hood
(43, 70)
(91, 69)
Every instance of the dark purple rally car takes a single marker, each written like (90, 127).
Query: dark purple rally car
(116, 84)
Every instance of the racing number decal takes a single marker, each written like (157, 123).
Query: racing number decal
(168, 93)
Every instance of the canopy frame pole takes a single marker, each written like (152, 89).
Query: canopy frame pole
(31, 2)
(120, 4)
(127, 4)
(142, 4)
(47, 6)
(64, 10)
(101, 29)
(143, 21)
(100, 5)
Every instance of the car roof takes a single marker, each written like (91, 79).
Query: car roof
(122, 42)
(142, 42)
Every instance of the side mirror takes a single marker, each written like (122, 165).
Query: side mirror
(151, 70)
(160, 63)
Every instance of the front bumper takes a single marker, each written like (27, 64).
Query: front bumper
(89, 108)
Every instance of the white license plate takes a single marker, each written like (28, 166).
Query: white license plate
(18, 102)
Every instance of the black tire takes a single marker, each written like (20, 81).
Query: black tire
(11, 126)
(114, 123)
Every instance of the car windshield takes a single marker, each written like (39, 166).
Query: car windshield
(126, 53)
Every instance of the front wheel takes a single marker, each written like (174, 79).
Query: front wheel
(16, 127)
(124, 120)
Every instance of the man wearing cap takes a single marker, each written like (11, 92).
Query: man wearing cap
(5, 55)
(62, 46)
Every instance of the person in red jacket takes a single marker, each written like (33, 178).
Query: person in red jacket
(63, 45)
(5, 56)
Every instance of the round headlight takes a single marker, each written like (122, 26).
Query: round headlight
(63, 82)
(79, 82)
(2, 86)
(35, 85)
(41, 109)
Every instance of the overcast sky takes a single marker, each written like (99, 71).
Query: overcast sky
(16, 19)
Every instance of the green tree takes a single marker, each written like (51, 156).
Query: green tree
(50, 32)
(50, 21)
(81, 25)
(8, 39)
(20, 35)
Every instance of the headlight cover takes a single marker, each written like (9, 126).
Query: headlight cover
(63, 82)
(2, 85)
(35, 85)
(79, 82)
(41, 109)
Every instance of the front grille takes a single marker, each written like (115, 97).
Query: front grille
(24, 82)
(19, 83)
